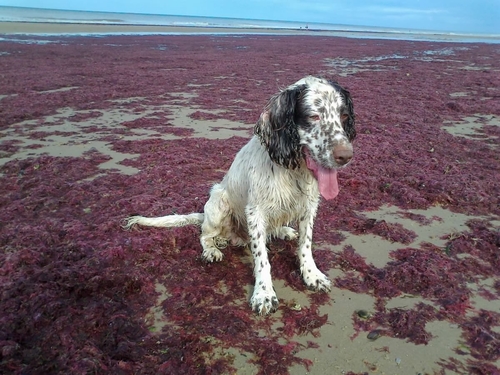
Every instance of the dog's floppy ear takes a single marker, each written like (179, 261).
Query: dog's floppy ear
(277, 129)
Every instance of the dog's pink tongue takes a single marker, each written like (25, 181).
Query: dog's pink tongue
(327, 178)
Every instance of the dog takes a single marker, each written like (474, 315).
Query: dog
(302, 137)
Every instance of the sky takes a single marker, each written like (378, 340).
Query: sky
(461, 16)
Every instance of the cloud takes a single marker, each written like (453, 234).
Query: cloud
(404, 11)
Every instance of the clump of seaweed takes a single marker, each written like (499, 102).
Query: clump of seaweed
(421, 219)
(484, 342)
(408, 324)
(8, 148)
(304, 321)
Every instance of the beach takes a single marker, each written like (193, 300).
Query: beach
(100, 122)
(89, 28)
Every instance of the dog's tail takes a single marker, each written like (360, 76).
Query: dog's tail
(169, 221)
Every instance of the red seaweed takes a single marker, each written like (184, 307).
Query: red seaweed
(408, 324)
(484, 342)
(76, 290)
(421, 219)
(304, 321)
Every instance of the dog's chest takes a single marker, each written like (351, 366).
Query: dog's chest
(290, 199)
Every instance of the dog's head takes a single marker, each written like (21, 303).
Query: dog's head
(310, 123)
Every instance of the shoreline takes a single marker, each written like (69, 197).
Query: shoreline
(70, 28)
(58, 28)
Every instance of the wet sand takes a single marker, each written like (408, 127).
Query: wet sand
(75, 28)
(338, 346)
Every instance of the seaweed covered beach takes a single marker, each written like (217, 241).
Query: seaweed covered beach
(97, 128)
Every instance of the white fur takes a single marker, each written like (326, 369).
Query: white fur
(258, 199)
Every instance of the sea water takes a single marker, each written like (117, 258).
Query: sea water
(18, 14)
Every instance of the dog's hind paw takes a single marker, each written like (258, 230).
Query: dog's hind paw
(212, 254)
(287, 234)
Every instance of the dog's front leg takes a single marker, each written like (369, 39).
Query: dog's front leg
(263, 300)
(312, 276)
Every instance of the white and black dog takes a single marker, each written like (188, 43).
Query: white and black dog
(302, 137)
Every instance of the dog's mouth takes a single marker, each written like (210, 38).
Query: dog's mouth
(326, 177)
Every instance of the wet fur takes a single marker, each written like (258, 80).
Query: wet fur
(268, 186)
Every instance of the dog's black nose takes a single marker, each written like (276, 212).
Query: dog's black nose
(342, 154)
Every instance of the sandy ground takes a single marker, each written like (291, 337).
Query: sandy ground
(75, 142)
(340, 350)
(69, 28)
(101, 29)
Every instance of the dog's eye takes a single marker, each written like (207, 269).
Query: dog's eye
(314, 118)
(344, 117)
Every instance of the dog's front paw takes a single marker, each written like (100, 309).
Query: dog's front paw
(316, 280)
(212, 254)
(264, 300)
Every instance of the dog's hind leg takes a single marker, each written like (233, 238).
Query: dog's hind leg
(216, 225)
